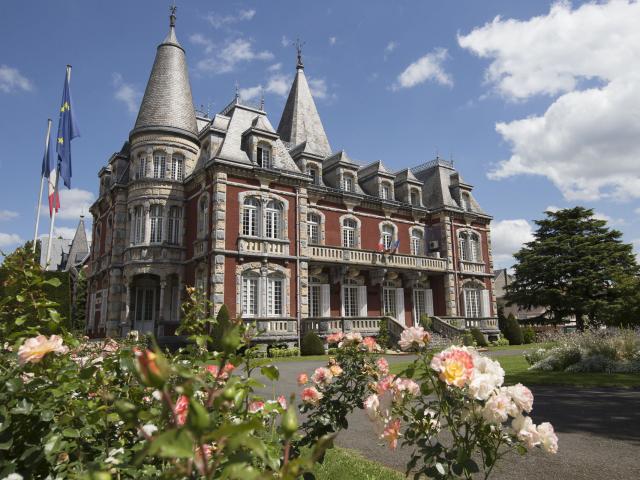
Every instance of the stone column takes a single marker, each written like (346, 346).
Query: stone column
(163, 285)
(147, 224)
(126, 322)
(179, 299)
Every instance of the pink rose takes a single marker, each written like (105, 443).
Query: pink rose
(414, 337)
(181, 409)
(256, 406)
(521, 396)
(283, 402)
(454, 366)
(391, 433)
(371, 344)
(322, 376)
(302, 379)
(311, 396)
(335, 338)
(548, 438)
(383, 366)
(34, 349)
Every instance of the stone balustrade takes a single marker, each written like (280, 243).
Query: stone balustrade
(472, 267)
(262, 246)
(366, 257)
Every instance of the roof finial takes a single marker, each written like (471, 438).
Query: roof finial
(237, 99)
(172, 17)
(298, 44)
(261, 98)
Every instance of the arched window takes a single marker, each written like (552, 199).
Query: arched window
(415, 198)
(173, 225)
(156, 214)
(177, 168)
(250, 217)
(387, 236)
(313, 228)
(385, 191)
(142, 167)
(347, 183)
(275, 290)
(138, 225)
(159, 164)
(463, 243)
(349, 231)
(273, 219)
(250, 282)
(203, 215)
(417, 242)
(469, 247)
(263, 156)
(466, 202)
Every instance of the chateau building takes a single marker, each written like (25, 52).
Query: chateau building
(290, 234)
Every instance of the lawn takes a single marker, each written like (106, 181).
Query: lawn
(528, 346)
(516, 369)
(350, 464)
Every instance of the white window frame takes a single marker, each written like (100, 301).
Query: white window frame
(142, 167)
(250, 214)
(250, 295)
(417, 242)
(159, 165)
(314, 222)
(174, 217)
(275, 296)
(389, 301)
(472, 302)
(139, 222)
(414, 197)
(385, 191)
(273, 219)
(350, 299)
(177, 167)
(156, 216)
(387, 234)
(349, 233)
(348, 183)
(264, 156)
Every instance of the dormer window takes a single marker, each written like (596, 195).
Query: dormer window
(466, 202)
(347, 183)
(385, 191)
(263, 156)
(159, 165)
(315, 177)
(415, 198)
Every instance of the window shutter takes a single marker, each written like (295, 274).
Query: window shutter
(485, 303)
(362, 301)
(103, 308)
(428, 294)
(325, 299)
(400, 305)
(342, 300)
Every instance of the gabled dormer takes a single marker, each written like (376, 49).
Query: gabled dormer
(259, 142)
(340, 172)
(408, 188)
(377, 181)
(461, 193)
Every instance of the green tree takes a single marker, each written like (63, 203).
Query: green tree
(575, 265)
(513, 331)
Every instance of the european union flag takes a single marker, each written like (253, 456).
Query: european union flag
(67, 131)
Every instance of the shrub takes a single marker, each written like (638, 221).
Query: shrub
(528, 335)
(467, 340)
(501, 342)
(502, 320)
(311, 344)
(220, 329)
(425, 321)
(478, 337)
(513, 332)
(383, 333)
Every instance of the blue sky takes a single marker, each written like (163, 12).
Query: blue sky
(538, 108)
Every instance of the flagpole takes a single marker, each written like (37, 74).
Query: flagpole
(46, 147)
(53, 219)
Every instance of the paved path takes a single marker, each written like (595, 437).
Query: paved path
(598, 430)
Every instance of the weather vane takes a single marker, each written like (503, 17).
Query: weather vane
(298, 44)
(172, 17)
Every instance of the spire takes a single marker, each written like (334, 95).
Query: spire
(300, 121)
(167, 103)
(79, 246)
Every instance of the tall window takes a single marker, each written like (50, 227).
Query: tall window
(417, 242)
(315, 178)
(273, 217)
(415, 198)
(389, 297)
(472, 302)
(463, 243)
(156, 213)
(349, 227)
(347, 183)
(387, 236)
(469, 247)
(350, 298)
(250, 295)
(159, 164)
(385, 191)
(138, 225)
(177, 168)
(264, 156)
(142, 167)
(466, 202)
(173, 225)
(274, 296)
(250, 217)
(315, 306)
(203, 213)
(313, 228)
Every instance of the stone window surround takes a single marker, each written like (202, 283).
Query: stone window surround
(263, 271)
(146, 207)
(263, 197)
(411, 236)
(149, 153)
(358, 242)
(321, 225)
(392, 225)
(389, 184)
(469, 232)
(317, 167)
(265, 145)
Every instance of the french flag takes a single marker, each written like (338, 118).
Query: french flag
(49, 171)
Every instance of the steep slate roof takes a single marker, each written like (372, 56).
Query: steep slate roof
(79, 246)
(374, 168)
(59, 248)
(167, 103)
(300, 121)
(406, 175)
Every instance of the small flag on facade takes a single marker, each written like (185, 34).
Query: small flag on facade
(67, 131)
(395, 245)
(380, 246)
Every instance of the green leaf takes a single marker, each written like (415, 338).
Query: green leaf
(71, 433)
(271, 372)
(20, 298)
(54, 282)
(20, 320)
(440, 468)
(173, 443)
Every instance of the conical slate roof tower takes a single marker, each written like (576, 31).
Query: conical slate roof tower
(300, 121)
(167, 104)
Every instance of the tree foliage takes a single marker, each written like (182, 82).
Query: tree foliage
(513, 331)
(575, 265)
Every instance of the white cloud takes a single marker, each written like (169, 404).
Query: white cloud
(64, 232)
(126, 93)
(428, 67)
(319, 89)
(225, 59)
(218, 21)
(8, 215)
(332, 41)
(73, 203)
(12, 80)
(612, 222)
(9, 240)
(277, 84)
(274, 68)
(588, 60)
(388, 50)
(552, 209)
(507, 237)
(202, 41)
(285, 42)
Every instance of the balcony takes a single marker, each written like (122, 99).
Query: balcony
(324, 326)
(369, 258)
(154, 252)
(473, 267)
(465, 323)
(273, 329)
(263, 246)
